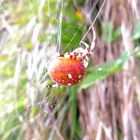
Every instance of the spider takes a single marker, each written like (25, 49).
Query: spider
(69, 69)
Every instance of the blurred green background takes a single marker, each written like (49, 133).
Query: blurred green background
(105, 105)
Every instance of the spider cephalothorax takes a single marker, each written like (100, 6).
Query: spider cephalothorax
(69, 69)
(79, 54)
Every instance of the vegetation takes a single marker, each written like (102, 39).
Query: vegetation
(105, 105)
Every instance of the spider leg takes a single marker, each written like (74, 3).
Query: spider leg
(85, 44)
(91, 47)
(86, 51)
(55, 85)
(93, 40)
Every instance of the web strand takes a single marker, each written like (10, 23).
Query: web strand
(60, 28)
(94, 21)
(82, 40)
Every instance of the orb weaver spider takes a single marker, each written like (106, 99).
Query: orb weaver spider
(69, 69)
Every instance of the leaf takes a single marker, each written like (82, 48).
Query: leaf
(109, 68)
(136, 34)
(75, 125)
(110, 34)
(71, 36)
(116, 34)
(107, 31)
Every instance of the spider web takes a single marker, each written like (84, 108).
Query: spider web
(32, 65)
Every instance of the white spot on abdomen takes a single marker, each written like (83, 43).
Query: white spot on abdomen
(79, 76)
(69, 76)
(69, 84)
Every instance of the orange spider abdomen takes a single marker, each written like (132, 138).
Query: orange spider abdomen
(66, 71)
